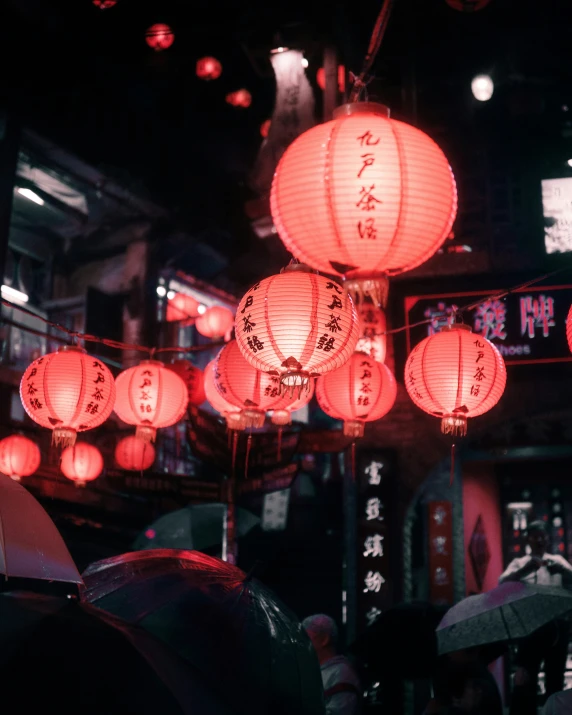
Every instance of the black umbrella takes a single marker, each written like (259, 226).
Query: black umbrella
(57, 655)
(229, 626)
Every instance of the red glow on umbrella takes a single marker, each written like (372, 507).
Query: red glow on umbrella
(150, 533)
(134, 455)
(240, 98)
(159, 37)
(208, 68)
(81, 463)
(216, 323)
(19, 457)
(265, 128)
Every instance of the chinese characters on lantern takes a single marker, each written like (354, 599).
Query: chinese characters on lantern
(440, 552)
(332, 326)
(367, 199)
(248, 325)
(145, 387)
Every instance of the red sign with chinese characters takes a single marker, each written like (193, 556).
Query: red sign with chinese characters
(441, 552)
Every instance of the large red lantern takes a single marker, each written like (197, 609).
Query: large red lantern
(283, 417)
(134, 455)
(81, 463)
(467, 5)
(240, 98)
(150, 396)
(208, 68)
(182, 307)
(159, 37)
(192, 376)
(216, 323)
(455, 374)
(361, 391)
(373, 326)
(19, 457)
(363, 196)
(68, 391)
(296, 325)
(231, 413)
(254, 392)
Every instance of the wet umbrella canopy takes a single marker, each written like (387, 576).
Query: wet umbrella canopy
(229, 626)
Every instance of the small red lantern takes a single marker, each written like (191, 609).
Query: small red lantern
(19, 457)
(104, 4)
(283, 417)
(254, 392)
(193, 378)
(361, 391)
(216, 323)
(208, 68)
(363, 196)
(134, 455)
(182, 307)
(373, 340)
(321, 78)
(231, 413)
(159, 37)
(68, 391)
(150, 396)
(265, 128)
(240, 98)
(455, 374)
(569, 328)
(81, 463)
(467, 5)
(296, 325)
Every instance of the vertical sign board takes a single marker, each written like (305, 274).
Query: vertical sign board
(441, 552)
(374, 578)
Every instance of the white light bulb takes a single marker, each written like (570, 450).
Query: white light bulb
(13, 294)
(482, 87)
(569, 162)
(202, 309)
(161, 291)
(171, 294)
(32, 196)
(304, 62)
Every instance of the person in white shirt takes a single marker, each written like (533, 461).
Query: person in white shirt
(342, 689)
(549, 643)
(559, 704)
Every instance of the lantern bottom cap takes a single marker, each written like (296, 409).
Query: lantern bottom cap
(64, 437)
(253, 419)
(376, 288)
(455, 425)
(234, 421)
(354, 428)
(16, 477)
(145, 433)
(282, 418)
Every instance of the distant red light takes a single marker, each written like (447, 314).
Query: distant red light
(467, 5)
(321, 78)
(517, 548)
(104, 4)
(240, 98)
(560, 546)
(159, 37)
(208, 68)
(265, 128)
(150, 533)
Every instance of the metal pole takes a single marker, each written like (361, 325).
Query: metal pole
(350, 546)
(9, 149)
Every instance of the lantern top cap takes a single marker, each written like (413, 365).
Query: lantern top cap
(347, 110)
(151, 362)
(294, 266)
(71, 349)
(456, 326)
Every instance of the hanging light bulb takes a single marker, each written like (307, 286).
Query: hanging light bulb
(482, 87)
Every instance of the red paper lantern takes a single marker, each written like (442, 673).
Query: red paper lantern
(467, 5)
(363, 196)
(254, 392)
(361, 391)
(265, 128)
(296, 325)
(68, 391)
(455, 374)
(81, 463)
(19, 457)
(569, 328)
(159, 37)
(216, 322)
(208, 68)
(373, 340)
(231, 413)
(283, 416)
(321, 78)
(134, 455)
(240, 98)
(182, 307)
(193, 378)
(150, 396)
(104, 4)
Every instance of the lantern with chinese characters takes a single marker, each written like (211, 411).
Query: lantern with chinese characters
(68, 392)
(363, 196)
(240, 98)
(455, 374)
(283, 417)
(467, 5)
(182, 307)
(150, 396)
(216, 323)
(254, 392)
(208, 68)
(134, 455)
(569, 328)
(296, 325)
(81, 463)
(361, 391)
(372, 341)
(321, 78)
(231, 413)
(193, 378)
(19, 457)
(159, 37)
(104, 4)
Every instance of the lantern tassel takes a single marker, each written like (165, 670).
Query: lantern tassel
(64, 437)
(248, 446)
(452, 477)
(146, 433)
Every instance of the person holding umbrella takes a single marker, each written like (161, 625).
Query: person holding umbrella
(549, 643)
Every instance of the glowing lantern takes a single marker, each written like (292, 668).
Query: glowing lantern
(81, 463)
(372, 341)
(467, 5)
(134, 455)
(363, 196)
(254, 392)
(68, 391)
(361, 391)
(208, 68)
(240, 98)
(283, 416)
(104, 4)
(150, 396)
(192, 377)
(159, 37)
(19, 457)
(321, 78)
(455, 374)
(296, 325)
(265, 128)
(217, 322)
(569, 328)
(231, 413)
(182, 307)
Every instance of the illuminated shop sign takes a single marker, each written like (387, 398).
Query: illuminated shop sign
(557, 210)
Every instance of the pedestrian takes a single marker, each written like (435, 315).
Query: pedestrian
(342, 690)
(549, 643)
